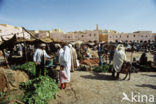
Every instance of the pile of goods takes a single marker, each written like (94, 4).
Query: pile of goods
(39, 90)
(104, 68)
(15, 86)
(147, 68)
(10, 79)
(29, 68)
(90, 62)
(9, 85)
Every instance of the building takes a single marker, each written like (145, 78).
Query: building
(87, 35)
(154, 35)
(138, 36)
(103, 37)
(40, 33)
(8, 31)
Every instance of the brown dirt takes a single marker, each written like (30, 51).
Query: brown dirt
(3, 82)
(100, 88)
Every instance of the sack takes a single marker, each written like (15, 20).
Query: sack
(77, 62)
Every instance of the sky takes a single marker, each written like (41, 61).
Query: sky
(79, 15)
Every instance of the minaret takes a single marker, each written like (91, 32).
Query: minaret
(97, 28)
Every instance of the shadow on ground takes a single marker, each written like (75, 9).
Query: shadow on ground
(147, 85)
(148, 75)
(98, 76)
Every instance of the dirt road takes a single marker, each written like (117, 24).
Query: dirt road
(100, 88)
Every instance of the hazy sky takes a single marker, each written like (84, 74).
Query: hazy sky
(71, 15)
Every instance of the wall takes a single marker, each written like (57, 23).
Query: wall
(75, 36)
(8, 31)
(139, 36)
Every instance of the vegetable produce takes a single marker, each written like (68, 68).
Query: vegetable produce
(145, 68)
(104, 68)
(29, 68)
(39, 90)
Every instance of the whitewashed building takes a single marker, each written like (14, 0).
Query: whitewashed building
(138, 36)
(8, 31)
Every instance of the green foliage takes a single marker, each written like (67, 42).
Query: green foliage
(39, 90)
(104, 68)
(2, 94)
(145, 68)
(29, 68)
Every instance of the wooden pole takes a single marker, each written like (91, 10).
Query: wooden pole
(5, 59)
(26, 52)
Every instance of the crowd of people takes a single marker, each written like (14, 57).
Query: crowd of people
(68, 56)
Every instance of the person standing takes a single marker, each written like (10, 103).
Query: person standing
(73, 58)
(100, 52)
(118, 60)
(67, 61)
(59, 53)
(154, 58)
(39, 58)
(111, 54)
(63, 77)
(143, 59)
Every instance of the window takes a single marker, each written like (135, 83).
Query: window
(68, 36)
(127, 36)
(146, 35)
(116, 36)
(90, 35)
(110, 37)
(120, 36)
(82, 36)
(133, 35)
(94, 35)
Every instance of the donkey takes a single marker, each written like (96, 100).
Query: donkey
(125, 69)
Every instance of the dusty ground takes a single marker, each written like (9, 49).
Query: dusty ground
(94, 88)
(100, 88)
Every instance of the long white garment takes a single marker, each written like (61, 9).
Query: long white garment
(73, 57)
(60, 56)
(119, 58)
(67, 61)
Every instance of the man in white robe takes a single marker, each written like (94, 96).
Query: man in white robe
(60, 52)
(119, 58)
(67, 61)
(73, 58)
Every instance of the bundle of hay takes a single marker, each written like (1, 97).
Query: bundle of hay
(10, 79)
